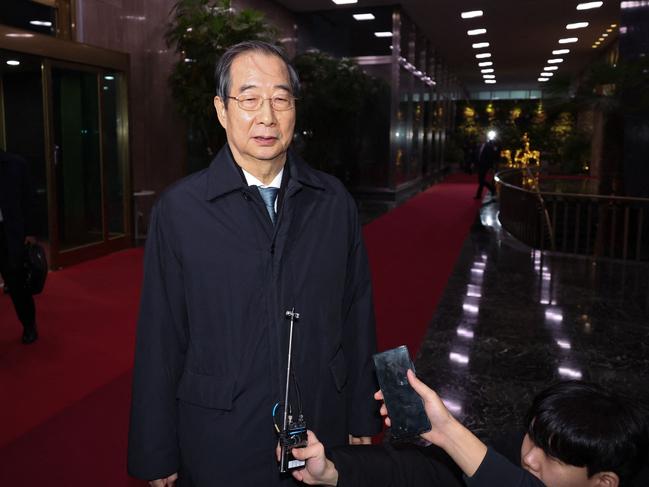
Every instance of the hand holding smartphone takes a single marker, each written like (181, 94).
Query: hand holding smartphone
(405, 407)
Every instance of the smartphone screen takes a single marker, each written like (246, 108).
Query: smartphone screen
(405, 407)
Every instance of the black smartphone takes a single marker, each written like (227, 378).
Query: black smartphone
(405, 407)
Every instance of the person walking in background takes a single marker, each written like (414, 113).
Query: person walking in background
(17, 229)
(487, 158)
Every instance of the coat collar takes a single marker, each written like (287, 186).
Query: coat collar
(224, 176)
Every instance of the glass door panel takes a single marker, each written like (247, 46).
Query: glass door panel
(77, 158)
(114, 134)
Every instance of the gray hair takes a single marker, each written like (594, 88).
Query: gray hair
(222, 70)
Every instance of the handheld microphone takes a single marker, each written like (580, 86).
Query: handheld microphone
(293, 433)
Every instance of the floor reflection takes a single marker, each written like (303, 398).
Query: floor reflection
(514, 320)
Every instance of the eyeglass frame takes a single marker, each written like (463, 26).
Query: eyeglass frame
(294, 99)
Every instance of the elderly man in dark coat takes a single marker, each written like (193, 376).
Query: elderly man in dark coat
(230, 250)
(17, 228)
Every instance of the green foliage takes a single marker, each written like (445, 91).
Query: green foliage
(613, 90)
(200, 31)
(605, 87)
(563, 126)
(468, 130)
(342, 115)
(551, 131)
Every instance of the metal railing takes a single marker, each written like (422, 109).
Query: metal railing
(616, 227)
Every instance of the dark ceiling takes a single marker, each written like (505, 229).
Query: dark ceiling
(522, 33)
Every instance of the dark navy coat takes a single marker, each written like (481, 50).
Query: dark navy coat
(212, 333)
(16, 203)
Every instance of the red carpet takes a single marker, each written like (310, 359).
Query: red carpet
(86, 318)
(412, 252)
(65, 399)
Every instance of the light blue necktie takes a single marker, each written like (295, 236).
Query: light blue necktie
(269, 195)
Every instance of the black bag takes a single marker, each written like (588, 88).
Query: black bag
(35, 263)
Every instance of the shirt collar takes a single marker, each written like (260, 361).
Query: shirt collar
(253, 181)
(225, 176)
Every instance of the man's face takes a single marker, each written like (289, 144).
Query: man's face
(554, 473)
(261, 135)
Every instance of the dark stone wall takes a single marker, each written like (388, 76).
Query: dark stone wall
(634, 46)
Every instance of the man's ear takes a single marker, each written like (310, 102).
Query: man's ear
(219, 106)
(606, 479)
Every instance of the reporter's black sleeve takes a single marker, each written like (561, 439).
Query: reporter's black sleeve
(385, 466)
(497, 470)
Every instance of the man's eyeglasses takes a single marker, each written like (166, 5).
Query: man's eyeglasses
(251, 103)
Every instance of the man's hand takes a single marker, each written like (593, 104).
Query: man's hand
(446, 432)
(168, 482)
(319, 470)
(30, 239)
(360, 440)
(440, 418)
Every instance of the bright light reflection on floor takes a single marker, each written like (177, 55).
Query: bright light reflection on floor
(474, 291)
(463, 332)
(551, 315)
(570, 373)
(460, 358)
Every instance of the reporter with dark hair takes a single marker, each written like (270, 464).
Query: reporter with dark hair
(578, 435)
(583, 425)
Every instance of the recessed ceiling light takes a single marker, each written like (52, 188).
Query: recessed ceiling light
(487, 70)
(543, 79)
(480, 45)
(557, 52)
(568, 40)
(489, 76)
(609, 30)
(483, 55)
(594, 46)
(601, 39)
(485, 63)
(490, 81)
(471, 14)
(476, 32)
(589, 5)
(546, 74)
(344, 2)
(109, 77)
(41, 23)
(364, 16)
(577, 25)
(13, 62)
(613, 25)
(550, 68)
(383, 34)
(555, 60)
(18, 34)
(604, 34)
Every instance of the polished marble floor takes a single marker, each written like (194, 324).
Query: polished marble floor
(513, 321)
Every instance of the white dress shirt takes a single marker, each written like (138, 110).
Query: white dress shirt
(275, 183)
